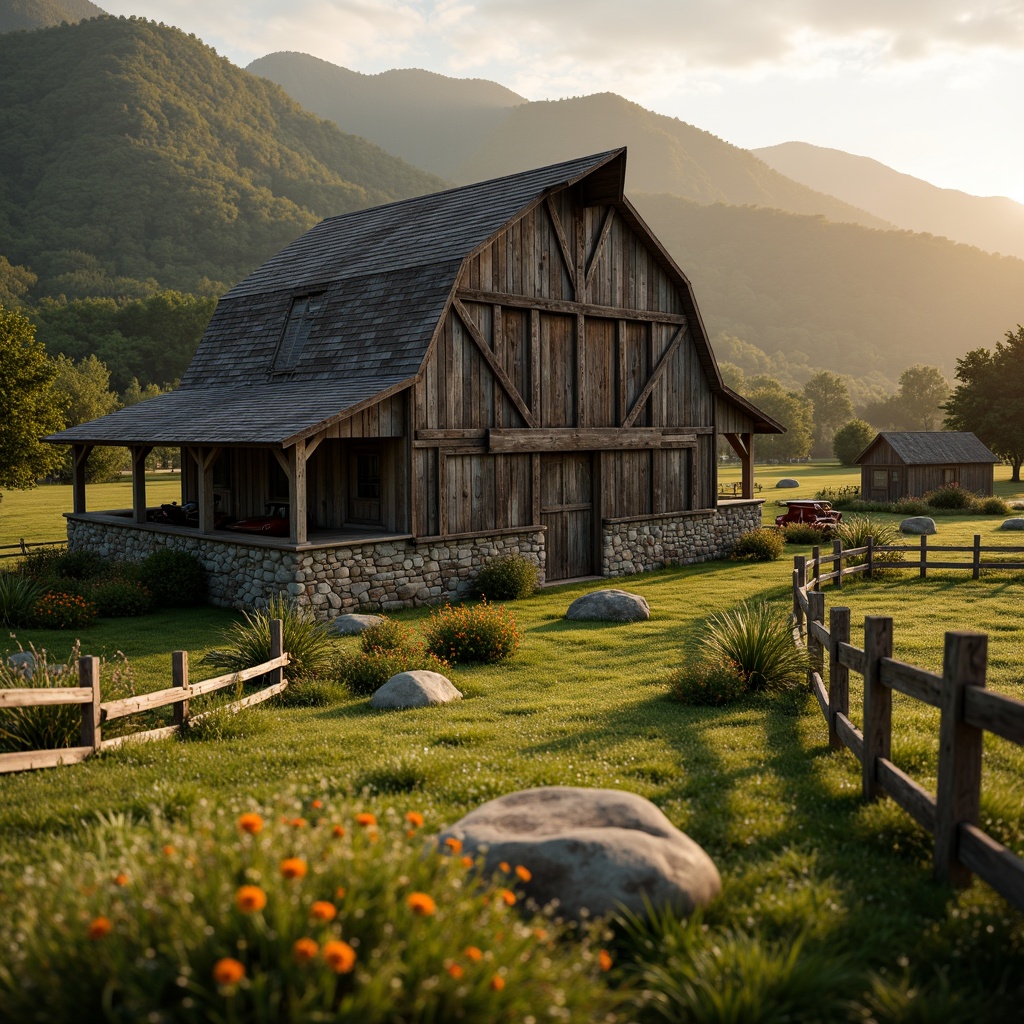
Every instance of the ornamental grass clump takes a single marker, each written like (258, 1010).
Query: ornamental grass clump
(18, 597)
(302, 910)
(854, 533)
(763, 545)
(45, 726)
(468, 633)
(508, 578)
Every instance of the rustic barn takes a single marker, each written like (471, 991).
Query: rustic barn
(512, 366)
(909, 463)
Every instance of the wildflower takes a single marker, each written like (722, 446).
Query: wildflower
(338, 831)
(100, 928)
(323, 911)
(339, 893)
(414, 818)
(298, 822)
(228, 971)
(251, 823)
(504, 867)
(305, 949)
(539, 934)
(473, 953)
(317, 804)
(604, 960)
(121, 879)
(467, 862)
(508, 896)
(455, 971)
(250, 899)
(339, 956)
(420, 903)
(454, 845)
(523, 874)
(366, 819)
(497, 983)
(293, 867)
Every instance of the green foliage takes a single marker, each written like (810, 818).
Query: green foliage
(707, 683)
(791, 409)
(121, 598)
(757, 638)
(802, 533)
(18, 596)
(367, 671)
(306, 641)
(911, 507)
(312, 692)
(506, 579)
(29, 404)
(15, 283)
(72, 565)
(850, 440)
(923, 390)
(59, 609)
(226, 723)
(472, 633)
(386, 635)
(45, 726)
(762, 545)
(994, 506)
(176, 579)
(854, 532)
(950, 496)
(829, 396)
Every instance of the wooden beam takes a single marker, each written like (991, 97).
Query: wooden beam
(568, 306)
(297, 493)
(567, 258)
(206, 459)
(581, 370)
(606, 227)
(282, 460)
(586, 439)
(139, 456)
(653, 380)
(743, 446)
(313, 443)
(492, 362)
(81, 457)
(535, 366)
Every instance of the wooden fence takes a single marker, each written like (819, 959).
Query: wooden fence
(967, 711)
(95, 713)
(24, 547)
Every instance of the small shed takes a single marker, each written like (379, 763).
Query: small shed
(909, 463)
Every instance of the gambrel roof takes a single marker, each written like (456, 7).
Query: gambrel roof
(933, 447)
(384, 279)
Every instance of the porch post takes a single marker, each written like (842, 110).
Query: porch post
(743, 446)
(80, 454)
(139, 482)
(207, 457)
(297, 492)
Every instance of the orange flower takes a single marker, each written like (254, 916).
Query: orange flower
(305, 949)
(508, 896)
(420, 903)
(251, 823)
(604, 960)
(100, 928)
(366, 819)
(338, 831)
(524, 874)
(228, 971)
(467, 862)
(539, 934)
(454, 845)
(339, 956)
(317, 804)
(455, 971)
(323, 911)
(293, 867)
(414, 818)
(169, 851)
(298, 822)
(473, 953)
(504, 867)
(250, 899)
(339, 893)
(121, 879)
(497, 983)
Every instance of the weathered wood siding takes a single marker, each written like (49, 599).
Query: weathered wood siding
(916, 480)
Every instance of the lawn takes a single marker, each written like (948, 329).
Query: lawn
(802, 857)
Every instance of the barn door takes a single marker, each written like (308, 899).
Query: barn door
(567, 510)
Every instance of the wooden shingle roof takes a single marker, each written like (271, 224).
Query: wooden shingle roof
(928, 447)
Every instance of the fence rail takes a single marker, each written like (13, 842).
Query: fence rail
(24, 547)
(967, 711)
(96, 713)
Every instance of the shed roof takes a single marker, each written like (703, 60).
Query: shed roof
(928, 447)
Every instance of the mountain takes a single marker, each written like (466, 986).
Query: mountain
(16, 15)
(993, 223)
(428, 119)
(131, 150)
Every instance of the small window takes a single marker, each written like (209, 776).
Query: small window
(949, 476)
(878, 478)
(303, 313)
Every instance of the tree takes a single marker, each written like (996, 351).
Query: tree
(791, 410)
(850, 440)
(830, 396)
(923, 390)
(29, 405)
(989, 400)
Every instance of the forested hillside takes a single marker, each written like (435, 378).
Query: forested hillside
(18, 15)
(130, 151)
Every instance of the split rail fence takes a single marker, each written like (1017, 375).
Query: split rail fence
(967, 711)
(24, 547)
(96, 713)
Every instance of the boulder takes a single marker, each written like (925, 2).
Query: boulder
(918, 524)
(1012, 524)
(788, 481)
(416, 689)
(350, 625)
(23, 663)
(590, 849)
(609, 606)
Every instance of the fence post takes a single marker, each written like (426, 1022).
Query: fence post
(838, 675)
(799, 583)
(871, 556)
(276, 648)
(959, 783)
(924, 555)
(815, 650)
(24, 546)
(877, 701)
(977, 555)
(89, 677)
(816, 566)
(179, 678)
(837, 562)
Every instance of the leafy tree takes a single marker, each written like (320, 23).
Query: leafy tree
(830, 396)
(29, 404)
(733, 376)
(923, 390)
(791, 410)
(15, 283)
(850, 440)
(989, 400)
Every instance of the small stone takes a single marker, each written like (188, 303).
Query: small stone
(353, 623)
(918, 524)
(609, 606)
(417, 689)
(788, 481)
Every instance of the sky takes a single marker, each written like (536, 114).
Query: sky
(933, 88)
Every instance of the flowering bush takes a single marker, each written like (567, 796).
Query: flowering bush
(295, 913)
(120, 598)
(60, 610)
(386, 635)
(467, 633)
(367, 671)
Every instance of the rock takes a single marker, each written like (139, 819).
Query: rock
(918, 524)
(23, 663)
(788, 481)
(1012, 524)
(416, 689)
(609, 606)
(590, 848)
(350, 625)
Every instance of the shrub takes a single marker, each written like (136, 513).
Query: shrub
(39, 565)
(77, 565)
(802, 533)
(306, 641)
(951, 496)
(764, 545)
(62, 610)
(46, 726)
(366, 672)
(225, 723)
(850, 440)
(312, 692)
(176, 579)
(386, 635)
(758, 640)
(911, 507)
(854, 532)
(472, 633)
(506, 579)
(708, 683)
(121, 599)
(994, 506)
(18, 596)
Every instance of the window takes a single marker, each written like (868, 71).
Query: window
(303, 313)
(364, 488)
(368, 477)
(878, 479)
(949, 476)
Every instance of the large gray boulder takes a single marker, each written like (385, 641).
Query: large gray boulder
(1012, 524)
(352, 624)
(918, 524)
(416, 689)
(788, 481)
(593, 849)
(609, 606)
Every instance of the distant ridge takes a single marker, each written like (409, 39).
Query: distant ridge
(16, 15)
(992, 223)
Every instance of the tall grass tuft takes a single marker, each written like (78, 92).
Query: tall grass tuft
(47, 726)
(18, 597)
(854, 532)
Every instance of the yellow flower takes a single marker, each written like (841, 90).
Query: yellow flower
(100, 928)
(228, 971)
(339, 956)
(323, 911)
(523, 874)
(250, 899)
(317, 804)
(251, 823)
(420, 903)
(467, 862)
(305, 949)
(169, 850)
(293, 867)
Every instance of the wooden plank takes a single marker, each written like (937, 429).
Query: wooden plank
(563, 244)
(818, 689)
(652, 381)
(996, 713)
(606, 226)
(139, 456)
(852, 737)
(818, 631)
(219, 682)
(877, 702)
(915, 682)
(38, 696)
(29, 760)
(993, 862)
(89, 678)
(115, 709)
(571, 307)
(149, 736)
(914, 799)
(838, 674)
(179, 675)
(851, 657)
(552, 439)
(246, 702)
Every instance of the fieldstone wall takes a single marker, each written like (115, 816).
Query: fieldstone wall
(642, 545)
